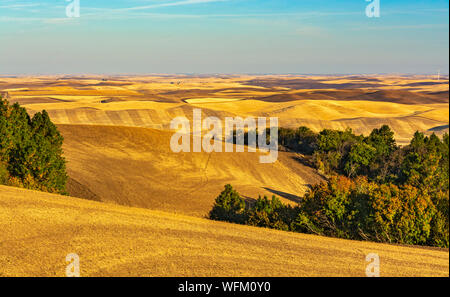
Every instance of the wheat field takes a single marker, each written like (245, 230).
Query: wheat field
(39, 230)
(136, 167)
(143, 208)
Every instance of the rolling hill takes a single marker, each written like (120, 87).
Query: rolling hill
(147, 208)
(40, 229)
(406, 103)
(136, 167)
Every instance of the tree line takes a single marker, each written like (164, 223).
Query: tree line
(31, 153)
(375, 190)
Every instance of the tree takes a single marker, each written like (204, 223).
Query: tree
(270, 214)
(31, 153)
(423, 157)
(19, 151)
(229, 206)
(383, 141)
(384, 159)
(48, 167)
(5, 131)
(303, 140)
(359, 157)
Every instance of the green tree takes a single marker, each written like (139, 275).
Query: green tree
(20, 150)
(359, 157)
(229, 206)
(30, 150)
(47, 166)
(383, 141)
(385, 159)
(270, 213)
(303, 140)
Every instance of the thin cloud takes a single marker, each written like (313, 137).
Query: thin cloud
(403, 27)
(97, 12)
(177, 3)
(17, 6)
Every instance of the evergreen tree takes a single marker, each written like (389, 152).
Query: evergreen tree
(229, 206)
(47, 166)
(30, 150)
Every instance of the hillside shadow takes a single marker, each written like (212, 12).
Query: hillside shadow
(302, 160)
(439, 128)
(291, 197)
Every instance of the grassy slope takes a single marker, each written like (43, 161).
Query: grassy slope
(40, 229)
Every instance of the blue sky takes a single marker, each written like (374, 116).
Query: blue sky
(223, 36)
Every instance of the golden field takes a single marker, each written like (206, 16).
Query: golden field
(406, 103)
(117, 129)
(136, 167)
(147, 208)
(39, 230)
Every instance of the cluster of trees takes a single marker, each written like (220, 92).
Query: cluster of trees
(375, 190)
(270, 213)
(31, 153)
(360, 209)
(376, 156)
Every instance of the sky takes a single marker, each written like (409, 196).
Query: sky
(224, 37)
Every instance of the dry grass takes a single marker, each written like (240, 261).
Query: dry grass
(39, 230)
